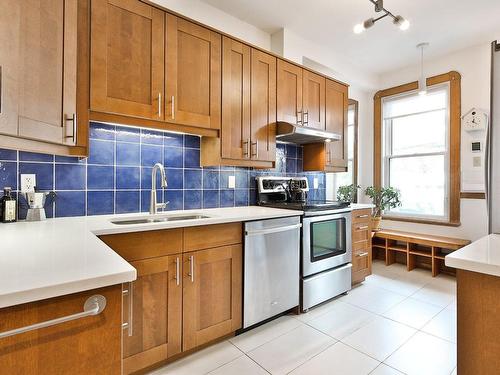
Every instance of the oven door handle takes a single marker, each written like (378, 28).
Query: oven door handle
(272, 230)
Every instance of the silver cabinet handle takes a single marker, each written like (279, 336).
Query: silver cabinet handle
(177, 271)
(363, 254)
(299, 117)
(71, 119)
(173, 107)
(256, 144)
(272, 230)
(130, 293)
(191, 268)
(159, 104)
(362, 227)
(94, 305)
(246, 148)
(487, 174)
(362, 216)
(306, 117)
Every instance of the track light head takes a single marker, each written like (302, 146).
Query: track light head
(401, 22)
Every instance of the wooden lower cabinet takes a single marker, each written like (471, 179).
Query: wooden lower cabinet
(89, 345)
(361, 245)
(212, 294)
(156, 302)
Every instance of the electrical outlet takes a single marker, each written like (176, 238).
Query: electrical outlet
(28, 183)
(316, 183)
(231, 182)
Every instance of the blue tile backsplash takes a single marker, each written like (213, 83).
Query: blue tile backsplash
(116, 177)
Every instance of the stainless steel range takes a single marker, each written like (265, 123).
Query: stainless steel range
(326, 250)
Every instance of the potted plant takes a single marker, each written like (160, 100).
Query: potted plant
(383, 199)
(347, 193)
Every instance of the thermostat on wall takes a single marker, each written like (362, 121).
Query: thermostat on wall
(475, 146)
(475, 119)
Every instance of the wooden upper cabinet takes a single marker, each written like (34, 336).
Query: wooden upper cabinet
(127, 58)
(337, 103)
(193, 74)
(263, 107)
(88, 345)
(212, 299)
(313, 96)
(38, 69)
(235, 135)
(289, 92)
(156, 302)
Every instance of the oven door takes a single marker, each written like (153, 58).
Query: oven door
(326, 242)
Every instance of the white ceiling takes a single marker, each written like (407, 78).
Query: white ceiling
(448, 25)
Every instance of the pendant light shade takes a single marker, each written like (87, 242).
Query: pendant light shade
(422, 82)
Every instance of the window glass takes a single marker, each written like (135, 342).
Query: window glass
(410, 104)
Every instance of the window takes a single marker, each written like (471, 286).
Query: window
(349, 177)
(417, 149)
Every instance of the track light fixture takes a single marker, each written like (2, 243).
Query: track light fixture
(399, 21)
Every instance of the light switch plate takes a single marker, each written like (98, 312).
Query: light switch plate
(316, 183)
(28, 183)
(231, 182)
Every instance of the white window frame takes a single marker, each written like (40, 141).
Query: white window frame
(387, 152)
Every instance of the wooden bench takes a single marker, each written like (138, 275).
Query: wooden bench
(422, 250)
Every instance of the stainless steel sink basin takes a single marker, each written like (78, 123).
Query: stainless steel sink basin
(158, 219)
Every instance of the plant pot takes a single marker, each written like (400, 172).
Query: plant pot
(376, 223)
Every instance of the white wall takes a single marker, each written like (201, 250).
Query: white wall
(216, 18)
(474, 66)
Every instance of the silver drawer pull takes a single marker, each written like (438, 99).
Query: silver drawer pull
(363, 254)
(177, 271)
(362, 216)
(362, 227)
(93, 306)
(191, 268)
(272, 230)
(71, 119)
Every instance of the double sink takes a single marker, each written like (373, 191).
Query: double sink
(158, 219)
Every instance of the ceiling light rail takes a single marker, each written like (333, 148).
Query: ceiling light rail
(398, 20)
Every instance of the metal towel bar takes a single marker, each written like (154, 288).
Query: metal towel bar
(93, 306)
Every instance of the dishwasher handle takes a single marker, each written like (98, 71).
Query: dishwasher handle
(272, 230)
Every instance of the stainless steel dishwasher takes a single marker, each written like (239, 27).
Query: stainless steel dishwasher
(271, 268)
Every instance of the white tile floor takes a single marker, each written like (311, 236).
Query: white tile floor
(396, 322)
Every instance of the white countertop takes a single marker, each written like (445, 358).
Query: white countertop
(481, 256)
(361, 206)
(45, 259)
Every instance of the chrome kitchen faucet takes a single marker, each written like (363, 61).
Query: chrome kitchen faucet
(154, 205)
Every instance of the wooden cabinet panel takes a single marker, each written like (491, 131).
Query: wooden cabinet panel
(193, 74)
(127, 58)
(361, 216)
(143, 245)
(207, 236)
(82, 346)
(235, 136)
(336, 122)
(263, 107)
(157, 313)
(313, 100)
(289, 92)
(361, 245)
(212, 300)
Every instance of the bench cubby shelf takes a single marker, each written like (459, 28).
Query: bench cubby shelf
(394, 245)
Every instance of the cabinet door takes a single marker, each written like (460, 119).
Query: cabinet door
(127, 62)
(263, 106)
(289, 97)
(10, 18)
(336, 122)
(212, 294)
(47, 69)
(193, 72)
(235, 136)
(83, 346)
(314, 100)
(156, 313)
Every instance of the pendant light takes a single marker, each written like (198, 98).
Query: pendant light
(397, 20)
(422, 82)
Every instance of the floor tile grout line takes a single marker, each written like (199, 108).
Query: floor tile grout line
(314, 356)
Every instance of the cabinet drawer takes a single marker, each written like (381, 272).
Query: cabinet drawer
(360, 232)
(208, 236)
(143, 245)
(361, 216)
(361, 245)
(360, 260)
